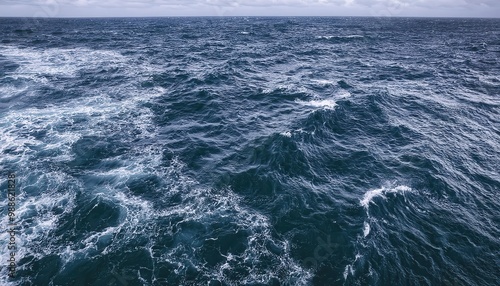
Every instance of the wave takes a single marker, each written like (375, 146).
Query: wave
(325, 103)
(105, 203)
(232, 159)
(369, 198)
(340, 39)
(370, 195)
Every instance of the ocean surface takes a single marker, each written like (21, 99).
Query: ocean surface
(251, 151)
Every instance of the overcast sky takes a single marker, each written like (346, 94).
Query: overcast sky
(139, 8)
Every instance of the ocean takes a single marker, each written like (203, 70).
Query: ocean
(250, 151)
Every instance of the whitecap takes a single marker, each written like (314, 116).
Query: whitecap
(286, 134)
(99, 114)
(353, 36)
(349, 269)
(366, 229)
(35, 64)
(368, 196)
(324, 103)
(323, 81)
(328, 37)
(341, 94)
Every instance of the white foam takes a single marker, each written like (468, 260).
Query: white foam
(349, 269)
(328, 103)
(325, 37)
(286, 134)
(366, 229)
(288, 88)
(365, 202)
(36, 217)
(325, 103)
(209, 207)
(62, 127)
(328, 37)
(370, 195)
(341, 94)
(323, 81)
(99, 113)
(9, 91)
(37, 64)
(32, 138)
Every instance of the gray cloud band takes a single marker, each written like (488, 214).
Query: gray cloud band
(258, 3)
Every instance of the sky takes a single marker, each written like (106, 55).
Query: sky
(144, 8)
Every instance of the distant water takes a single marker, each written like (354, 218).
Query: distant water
(252, 151)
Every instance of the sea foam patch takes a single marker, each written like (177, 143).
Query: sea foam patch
(38, 140)
(60, 134)
(58, 62)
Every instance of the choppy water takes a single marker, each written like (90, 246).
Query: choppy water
(252, 151)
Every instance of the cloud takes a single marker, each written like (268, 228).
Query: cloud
(258, 3)
(254, 7)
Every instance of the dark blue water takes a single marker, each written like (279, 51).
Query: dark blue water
(252, 151)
